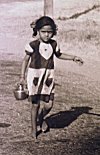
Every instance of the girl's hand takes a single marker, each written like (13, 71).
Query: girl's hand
(22, 81)
(78, 60)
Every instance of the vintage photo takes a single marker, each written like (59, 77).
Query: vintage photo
(49, 77)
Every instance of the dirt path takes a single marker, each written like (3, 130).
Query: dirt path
(74, 119)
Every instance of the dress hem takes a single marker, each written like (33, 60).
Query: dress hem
(41, 97)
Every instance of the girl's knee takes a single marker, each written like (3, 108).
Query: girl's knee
(35, 106)
(48, 105)
(51, 103)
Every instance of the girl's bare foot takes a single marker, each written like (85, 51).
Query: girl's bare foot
(45, 127)
(34, 136)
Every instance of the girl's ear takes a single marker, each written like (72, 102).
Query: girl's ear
(38, 32)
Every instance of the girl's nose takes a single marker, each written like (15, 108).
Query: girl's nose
(47, 34)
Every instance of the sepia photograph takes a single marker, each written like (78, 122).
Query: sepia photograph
(49, 77)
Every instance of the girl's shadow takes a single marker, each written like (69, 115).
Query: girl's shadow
(65, 118)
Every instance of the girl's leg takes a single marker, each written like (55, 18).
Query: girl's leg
(34, 113)
(44, 111)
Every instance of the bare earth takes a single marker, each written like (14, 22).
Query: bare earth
(75, 118)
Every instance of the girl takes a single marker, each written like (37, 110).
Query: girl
(40, 77)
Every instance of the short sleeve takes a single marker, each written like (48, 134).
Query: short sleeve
(57, 51)
(28, 49)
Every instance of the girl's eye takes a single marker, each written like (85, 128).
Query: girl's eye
(46, 31)
(50, 32)
(43, 31)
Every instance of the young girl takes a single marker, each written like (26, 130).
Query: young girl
(40, 77)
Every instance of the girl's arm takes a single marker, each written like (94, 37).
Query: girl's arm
(70, 57)
(24, 66)
(66, 56)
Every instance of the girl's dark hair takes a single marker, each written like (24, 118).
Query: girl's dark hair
(43, 21)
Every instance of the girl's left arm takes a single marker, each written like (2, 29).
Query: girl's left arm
(70, 57)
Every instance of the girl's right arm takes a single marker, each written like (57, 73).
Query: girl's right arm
(24, 67)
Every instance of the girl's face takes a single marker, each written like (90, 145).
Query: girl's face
(46, 33)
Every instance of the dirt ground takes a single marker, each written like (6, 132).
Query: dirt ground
(75, 118)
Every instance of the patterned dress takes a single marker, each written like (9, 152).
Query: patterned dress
(40, 76)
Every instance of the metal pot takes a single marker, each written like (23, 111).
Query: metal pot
(20, 93)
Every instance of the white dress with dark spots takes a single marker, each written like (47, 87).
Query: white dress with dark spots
(40, 76)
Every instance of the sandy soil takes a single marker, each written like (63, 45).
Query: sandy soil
(75, 118)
